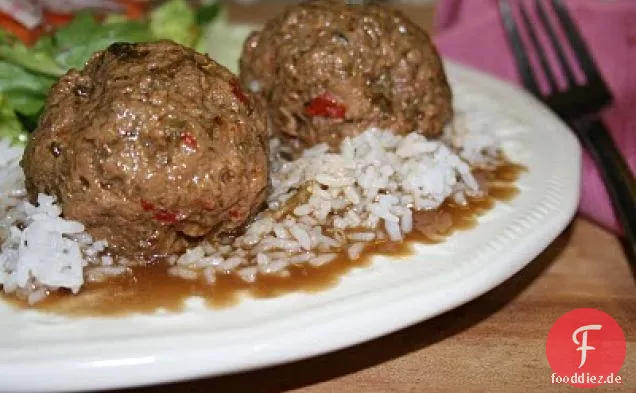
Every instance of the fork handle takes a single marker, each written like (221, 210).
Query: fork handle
(619, 179)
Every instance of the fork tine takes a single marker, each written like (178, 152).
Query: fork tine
(558, 48)
(579, 47)
(518, 48)
(543, 61)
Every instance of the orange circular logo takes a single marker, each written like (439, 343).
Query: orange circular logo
(586, 348)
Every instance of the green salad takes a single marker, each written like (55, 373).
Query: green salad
(27, 73)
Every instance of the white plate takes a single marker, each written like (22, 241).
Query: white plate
(41, 352)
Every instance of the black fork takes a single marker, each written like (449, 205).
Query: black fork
(579, 104)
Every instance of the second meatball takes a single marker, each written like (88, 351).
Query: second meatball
(327, 70)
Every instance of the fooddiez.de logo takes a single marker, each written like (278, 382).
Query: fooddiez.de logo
(586, 348)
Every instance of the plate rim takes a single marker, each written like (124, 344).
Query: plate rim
(97, 372)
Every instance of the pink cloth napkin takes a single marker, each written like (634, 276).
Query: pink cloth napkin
(470, 31)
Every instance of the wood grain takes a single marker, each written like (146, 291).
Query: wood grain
(494, 344)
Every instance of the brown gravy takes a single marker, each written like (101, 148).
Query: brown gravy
(150, 288)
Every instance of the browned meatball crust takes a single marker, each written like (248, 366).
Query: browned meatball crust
(151, 145)
(327, 70)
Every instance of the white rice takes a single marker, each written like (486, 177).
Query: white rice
(322, 259)
(42, 255)
(342, 202)
(355, 251)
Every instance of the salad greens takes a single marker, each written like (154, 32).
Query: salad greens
(175, 21)
(36, 59)
(76, 42)
(10, 126)
(27, 73)
(24, 90)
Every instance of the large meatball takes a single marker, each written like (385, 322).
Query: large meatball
(151, 145)
(327, 70)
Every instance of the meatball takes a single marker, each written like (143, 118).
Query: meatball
(150, 146)
(328, 70)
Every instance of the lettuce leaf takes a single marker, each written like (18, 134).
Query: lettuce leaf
(207, 13)
(38, 59)
(26, 91)
(77, 41)
(175, 20)
(10, 126)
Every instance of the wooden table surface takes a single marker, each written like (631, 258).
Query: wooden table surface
(495, 343)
